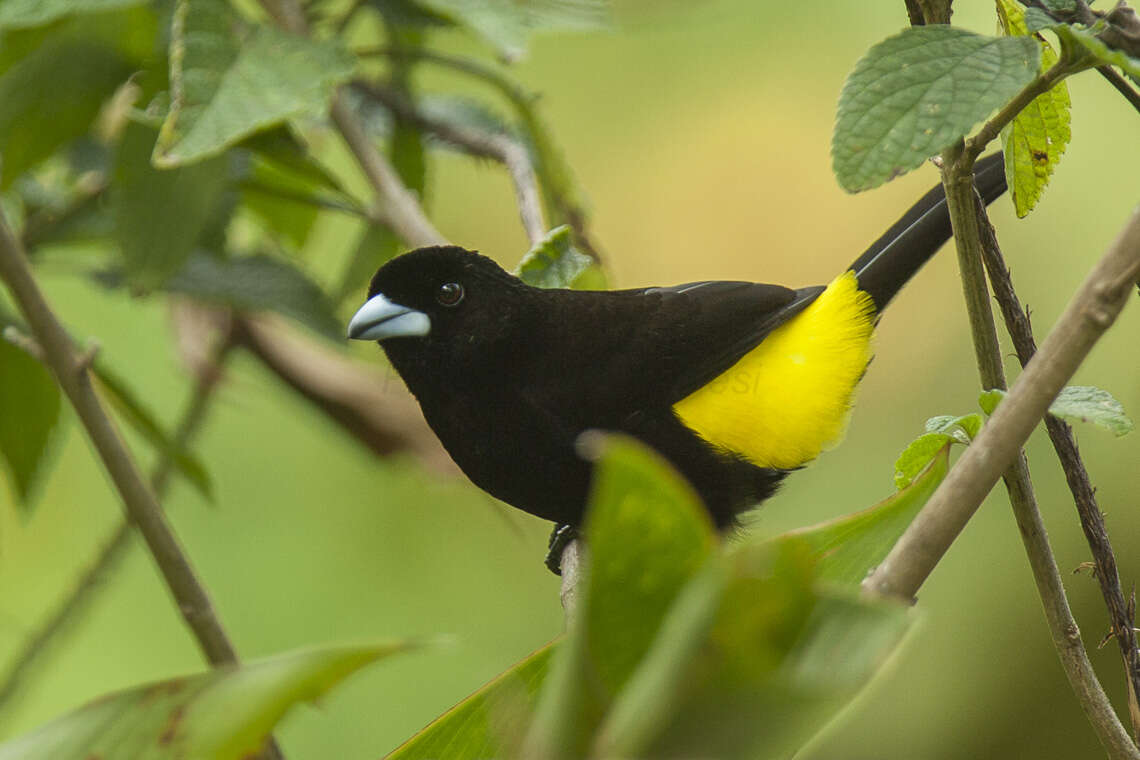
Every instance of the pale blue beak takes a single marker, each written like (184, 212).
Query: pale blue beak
(379, 319)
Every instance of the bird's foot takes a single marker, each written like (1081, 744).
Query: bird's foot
(560, 537)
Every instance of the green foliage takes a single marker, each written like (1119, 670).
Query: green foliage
(29, 415)
(160, 214)
(258, 283)
(225, 88)
(81, 74)
(916, 93)
(940, 433)
(554, 262)
(1034, 141)
(26, 13)
(223, 714)
(1076, 403)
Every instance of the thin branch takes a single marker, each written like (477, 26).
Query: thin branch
(1084, 495)
(114, 549)
(139, 501)
(1091, 311)
(476, 142)
(373, 408)
(1040, 85)
(1121, 85)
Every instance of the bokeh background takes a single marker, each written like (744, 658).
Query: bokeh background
(701, 132)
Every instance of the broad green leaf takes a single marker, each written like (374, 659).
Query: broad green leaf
(487, 724)
(553, 262)
(78, 74)
(1084, 403)
(281, 148)
(25, 13)
(848, 547)
(223, 714)
(647, 535)
(916, 93)
(135, 413)
(225, 89)
(507, 24)
(29, 415)
(160, 214)
(940, 433)
(1076, 403)
(780, 659)
(1034, 141)
(258, 283)
(376, 246)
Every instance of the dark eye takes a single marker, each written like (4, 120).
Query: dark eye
(449, 293)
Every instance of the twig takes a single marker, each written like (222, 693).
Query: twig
(476, 142)
(1091, 311)
(1084, 495)
(375, 410)
(114, 549)
(139, 501)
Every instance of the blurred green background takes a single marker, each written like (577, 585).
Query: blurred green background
(701, 134)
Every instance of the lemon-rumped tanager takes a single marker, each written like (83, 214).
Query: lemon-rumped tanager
(735, 383)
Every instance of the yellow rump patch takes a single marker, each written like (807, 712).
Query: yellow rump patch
(789, 398)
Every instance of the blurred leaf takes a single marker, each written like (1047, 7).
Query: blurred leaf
(778, 662)
(1085, 403)
(915, 93)
(463, 111)
(29, 414)
(1091, 39)
(225, 89)
(940, 433)
(286, 204)
(408, 13)
(647, 534)
(287, 152)
(1076, 403)
(160, 214)
(553, 262)
(507, 24)
(131, 409)
(78, 74)
(488, 723)
(223, 714)
(258, 283)
(376, 246)
(1034, 141)
(849, 546)
(24, 13)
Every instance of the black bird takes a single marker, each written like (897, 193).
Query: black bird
(735, 383)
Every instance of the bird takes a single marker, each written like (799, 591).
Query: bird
(736, 384)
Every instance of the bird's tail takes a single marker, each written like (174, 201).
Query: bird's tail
(902, 250)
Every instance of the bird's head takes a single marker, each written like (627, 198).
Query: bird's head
(445, 299)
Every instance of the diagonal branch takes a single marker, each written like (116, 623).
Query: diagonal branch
(1077, 476)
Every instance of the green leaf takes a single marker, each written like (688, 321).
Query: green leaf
(1076, 403)
(258, 283)
(848, 547)
(647, 535)
(376, 246)
(940, 433)
(553, 262)
(962, 429)
(1085, 403)
(29, 416)
(27, 13)
(778, 662)
(489, 723)
(916, 93)
(223, 714)
(225, 89)
(282, 149)
(1034, 141)
(507, 24)
(160, 215)
(78, 74)
(135, 413)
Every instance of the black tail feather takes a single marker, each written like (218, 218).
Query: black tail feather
(902, 250)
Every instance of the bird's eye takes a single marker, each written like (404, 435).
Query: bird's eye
(449, 294)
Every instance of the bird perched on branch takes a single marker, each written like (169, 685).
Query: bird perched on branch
(735, 383)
